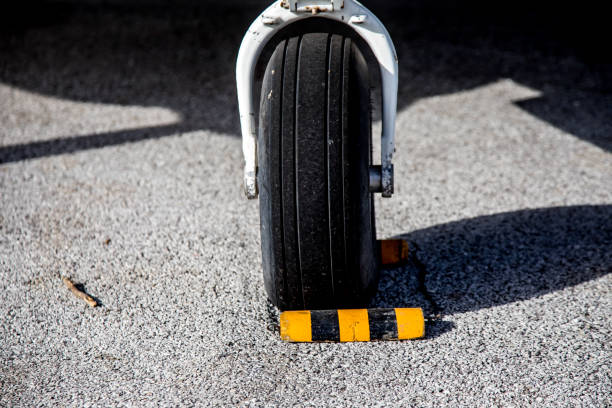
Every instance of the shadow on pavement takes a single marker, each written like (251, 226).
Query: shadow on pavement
(559, 50)
(497, 259)
(72, 144)
(181, 56)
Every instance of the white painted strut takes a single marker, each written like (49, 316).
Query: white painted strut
(279, 15)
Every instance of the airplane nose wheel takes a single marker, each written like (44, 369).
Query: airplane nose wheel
(318, 232)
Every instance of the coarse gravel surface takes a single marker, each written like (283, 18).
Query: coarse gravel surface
(121, 167)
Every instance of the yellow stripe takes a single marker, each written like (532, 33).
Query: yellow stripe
(410, 323)
(295, 326)
(354, 325)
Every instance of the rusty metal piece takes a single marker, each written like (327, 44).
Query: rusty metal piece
(315, 9)
(387, 175)
(394, 252)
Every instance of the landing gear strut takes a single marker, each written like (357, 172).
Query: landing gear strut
(308, 154)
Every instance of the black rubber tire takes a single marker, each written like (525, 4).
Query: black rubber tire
(318, 235)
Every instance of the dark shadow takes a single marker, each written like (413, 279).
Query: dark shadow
(497, 259)
(588, 115)
(52, 147)
(437, 327)
(81, 287)
(557, 49)
(181, 56)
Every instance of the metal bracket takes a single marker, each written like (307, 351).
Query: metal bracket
(314, 6)
(284, 12)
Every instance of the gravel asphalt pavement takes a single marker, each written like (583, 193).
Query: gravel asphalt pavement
(120, 166)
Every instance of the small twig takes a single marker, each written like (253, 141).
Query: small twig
(79, 293)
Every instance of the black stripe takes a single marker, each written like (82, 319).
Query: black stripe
(325, 325)
(383, 324)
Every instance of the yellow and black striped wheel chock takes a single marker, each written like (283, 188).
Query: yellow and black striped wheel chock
(346, 325)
